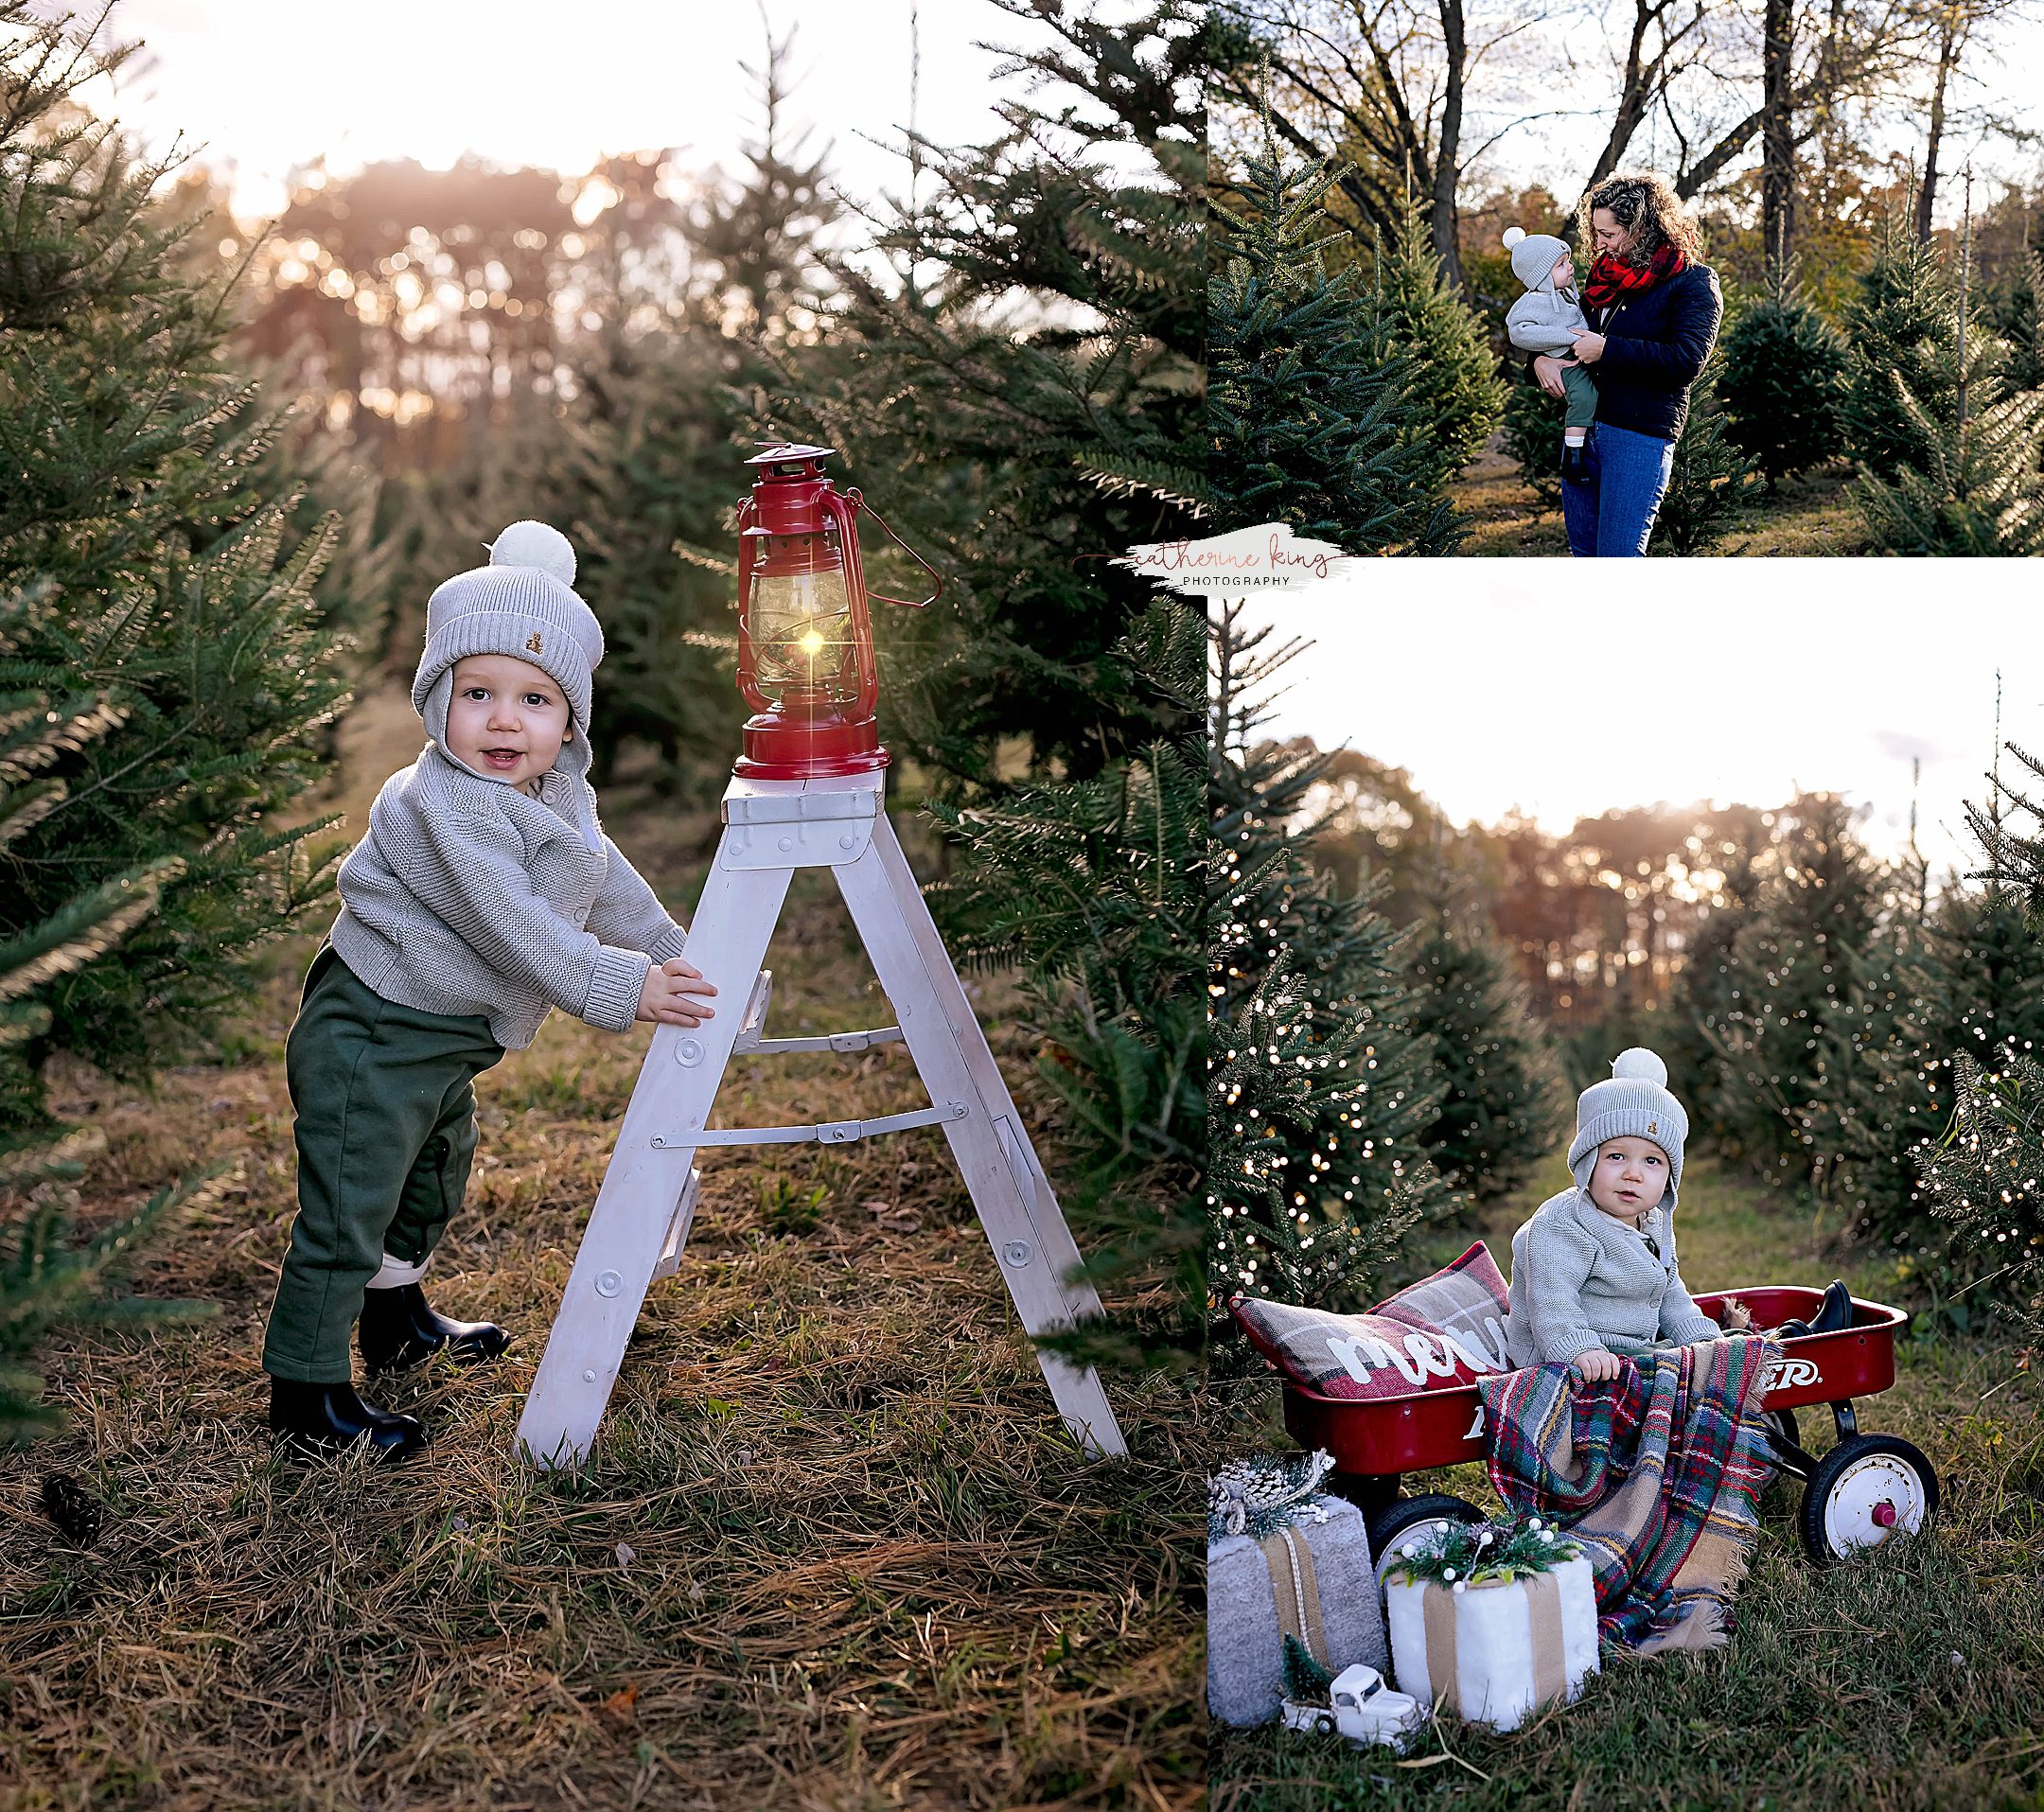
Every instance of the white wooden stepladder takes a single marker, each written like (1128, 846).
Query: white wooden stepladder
(644, 1210)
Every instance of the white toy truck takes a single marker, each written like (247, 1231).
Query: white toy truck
(1361, 1707)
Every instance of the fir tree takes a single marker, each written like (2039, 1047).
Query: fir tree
(147, 521)
(1983, 1178)
(1975, 484)
(1711, 482)
(1899, 333)
(1498, 1118)
(1533, 421)
(1784, 371)
(1802, 969)
(1319, 1087)
(1036, 406)
(2010, 312)
(1313, 416)
(1095, 889)
(1452, 389)
(46, 1278)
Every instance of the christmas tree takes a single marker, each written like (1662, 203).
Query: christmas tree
(1452, 389)
(1312, 415)
(1899, 336)
(1801, 968)
(1319, 1085)
(1034, 406)
(1711, 482)
(146, 527)
(1498, 1119)
(44, 1277)
(1984, 1175)
(1533, 437)
(1095, 890)
(1784, 368)
(2010, 312)
(1975, 484)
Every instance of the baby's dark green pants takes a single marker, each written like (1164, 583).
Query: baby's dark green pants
(386, 1131)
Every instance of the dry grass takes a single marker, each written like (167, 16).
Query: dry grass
(833, 1551)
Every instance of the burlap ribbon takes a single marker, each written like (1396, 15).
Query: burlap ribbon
(1543, 1600)
(1297, 1591)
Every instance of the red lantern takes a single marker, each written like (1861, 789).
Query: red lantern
(805, 648)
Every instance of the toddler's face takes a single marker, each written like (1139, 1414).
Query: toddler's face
(1564, 273)
(1630, 1176)
(507, 717)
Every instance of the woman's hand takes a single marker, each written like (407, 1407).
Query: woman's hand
(1547, 372)
(1598, 1365)
(1589, 346)
(673, 994)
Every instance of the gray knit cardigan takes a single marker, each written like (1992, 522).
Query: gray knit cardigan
(470, 896)
(1582, 1280)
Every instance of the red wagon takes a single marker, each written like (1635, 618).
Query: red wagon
(1866, 1489)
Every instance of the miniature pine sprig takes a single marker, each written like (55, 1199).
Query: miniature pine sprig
(1465, 1554)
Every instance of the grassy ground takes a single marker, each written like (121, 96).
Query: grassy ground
(834, 1550)
(1809, 514)
(1913, 1677)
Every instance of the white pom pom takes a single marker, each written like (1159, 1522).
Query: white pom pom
(1513, 235)
(1640, 1066)
(534, 544)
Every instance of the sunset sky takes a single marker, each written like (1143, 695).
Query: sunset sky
(268, 86)
(1719, 679)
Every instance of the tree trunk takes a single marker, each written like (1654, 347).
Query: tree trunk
(1949, 41)
(1447, 153)
(1777, 135)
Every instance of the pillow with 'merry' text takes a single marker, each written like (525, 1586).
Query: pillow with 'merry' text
(1445, 1329)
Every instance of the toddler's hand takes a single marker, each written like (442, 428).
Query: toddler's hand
(1598, 1365)
(673, 994)
(1737, 1317)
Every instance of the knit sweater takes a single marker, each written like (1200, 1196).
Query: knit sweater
(470, 896)
(1582, 1280)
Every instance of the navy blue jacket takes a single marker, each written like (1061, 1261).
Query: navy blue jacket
(1654, 345)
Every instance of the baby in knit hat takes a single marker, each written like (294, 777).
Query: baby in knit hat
(1594, 1276)
(484, 895)
(1547, 320)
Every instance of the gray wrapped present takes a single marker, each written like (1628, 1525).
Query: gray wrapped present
(1283, 1561)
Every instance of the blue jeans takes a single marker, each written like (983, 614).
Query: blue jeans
(1624, 473)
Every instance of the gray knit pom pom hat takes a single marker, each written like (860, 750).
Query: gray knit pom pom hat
(1633, 1103)
(522, 603)
(1534, 256)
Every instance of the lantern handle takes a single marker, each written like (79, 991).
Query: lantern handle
(858, 502)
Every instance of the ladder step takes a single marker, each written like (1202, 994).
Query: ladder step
(823, 1132)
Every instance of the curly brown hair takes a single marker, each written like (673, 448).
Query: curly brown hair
(1651, 212)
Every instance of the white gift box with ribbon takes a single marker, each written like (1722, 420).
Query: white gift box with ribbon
(1497, 1651)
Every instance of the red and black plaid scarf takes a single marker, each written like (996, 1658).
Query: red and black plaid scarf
(1609, 280)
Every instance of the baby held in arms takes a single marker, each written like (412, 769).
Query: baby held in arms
(1594, 1276)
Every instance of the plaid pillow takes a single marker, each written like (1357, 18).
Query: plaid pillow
(1443, 1330)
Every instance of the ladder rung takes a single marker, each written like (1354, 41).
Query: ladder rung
(823, 1132)
(842, 1041)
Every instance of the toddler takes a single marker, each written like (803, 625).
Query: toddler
(1546, 319)
(1594, 1275)
(483, 894)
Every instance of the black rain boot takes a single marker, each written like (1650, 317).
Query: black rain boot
(331, 1419)
(1571, 461)
(1836, 1311)
(398, 1329)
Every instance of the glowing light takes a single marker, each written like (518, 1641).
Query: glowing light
(811, 645)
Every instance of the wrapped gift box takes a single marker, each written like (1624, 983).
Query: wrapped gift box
(1310, 1579)
(1497, 1651)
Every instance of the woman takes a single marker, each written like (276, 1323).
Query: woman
(1654, 311)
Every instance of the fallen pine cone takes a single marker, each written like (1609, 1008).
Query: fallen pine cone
(72, 1508)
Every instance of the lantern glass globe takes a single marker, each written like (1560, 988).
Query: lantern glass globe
(800, 624)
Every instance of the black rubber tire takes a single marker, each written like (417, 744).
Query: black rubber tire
(1829, 1470)
(1324, 1724)
(1388, 1524)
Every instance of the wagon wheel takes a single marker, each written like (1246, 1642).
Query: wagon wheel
(1324, 1723)
(1391, 1526)
(1868, 1488)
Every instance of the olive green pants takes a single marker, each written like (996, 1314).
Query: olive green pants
(386, 1131)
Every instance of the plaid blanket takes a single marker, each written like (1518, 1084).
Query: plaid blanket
(1655, 1473)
